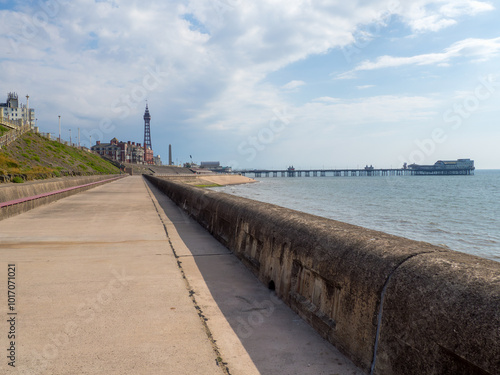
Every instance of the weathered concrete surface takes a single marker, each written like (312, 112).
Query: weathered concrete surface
(441, 316)
(99, 290)
(338, 277)
(255, 331)
(11, 191)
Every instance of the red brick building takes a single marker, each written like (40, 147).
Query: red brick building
(123, 152)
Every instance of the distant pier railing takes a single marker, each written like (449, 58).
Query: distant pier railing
(355, 172)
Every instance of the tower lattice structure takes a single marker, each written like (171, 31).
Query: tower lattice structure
(148, 148)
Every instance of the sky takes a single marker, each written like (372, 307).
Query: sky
(264, 84)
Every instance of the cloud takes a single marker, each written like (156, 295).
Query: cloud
(293, 85)
(432, 16)
(483, 49)
(369, 110)
(364, 87)
(201, 64)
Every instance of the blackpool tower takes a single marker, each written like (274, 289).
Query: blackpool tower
(148, 149)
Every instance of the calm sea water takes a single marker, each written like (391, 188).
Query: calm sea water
(461, 212)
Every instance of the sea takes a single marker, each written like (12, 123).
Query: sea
(459, 212)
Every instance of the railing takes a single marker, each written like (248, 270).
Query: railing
(13, 124)
(55, 192)
(14, 134)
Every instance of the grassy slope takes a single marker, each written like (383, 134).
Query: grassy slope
(3, 130)
(33, 155)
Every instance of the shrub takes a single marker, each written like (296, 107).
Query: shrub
(17, 180)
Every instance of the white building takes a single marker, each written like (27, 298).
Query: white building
(455, 164)
(13, 111)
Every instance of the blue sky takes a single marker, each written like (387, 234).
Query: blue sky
(265, 84)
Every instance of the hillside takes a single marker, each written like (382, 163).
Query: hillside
(35, 157)
(3, 130)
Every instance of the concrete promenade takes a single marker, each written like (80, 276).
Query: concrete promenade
(117, 280)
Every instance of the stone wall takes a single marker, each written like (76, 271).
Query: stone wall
(393, 305)
(11, 192)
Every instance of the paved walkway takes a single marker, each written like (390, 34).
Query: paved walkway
(117, 280)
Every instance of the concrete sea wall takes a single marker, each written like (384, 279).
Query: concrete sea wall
(393, 305)
(12, 192)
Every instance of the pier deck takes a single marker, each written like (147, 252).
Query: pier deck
(354, 172)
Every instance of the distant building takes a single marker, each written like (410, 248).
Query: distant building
(157, 160)
(13, 111)
(215, 166)
(460, 164)
(123, 152)
(210, 164)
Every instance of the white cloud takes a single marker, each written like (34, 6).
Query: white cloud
(89, 60)
(431, 15)
(369, 110)
(483, 49)
(293, 85)
(364, 87)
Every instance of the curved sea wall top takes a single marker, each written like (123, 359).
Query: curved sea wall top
(18, 198)
(393, 305)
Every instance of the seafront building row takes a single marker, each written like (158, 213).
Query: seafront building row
(123, 152)
(17, 114)
(130, 152)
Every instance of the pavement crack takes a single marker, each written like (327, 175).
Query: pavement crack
(218, 360)
(201, 255)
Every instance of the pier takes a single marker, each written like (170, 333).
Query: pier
(460, 167)
(257, 173)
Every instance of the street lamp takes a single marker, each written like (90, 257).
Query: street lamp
(28, 109)
(59, 128)
(70, 138)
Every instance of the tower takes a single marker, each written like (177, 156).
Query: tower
(170, 155)
(148, 148)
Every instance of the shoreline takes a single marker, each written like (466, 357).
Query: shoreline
(210, 180)
(226, 180)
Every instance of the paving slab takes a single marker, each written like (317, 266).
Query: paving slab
(98, 290)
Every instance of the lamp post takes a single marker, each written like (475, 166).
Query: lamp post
(28, 109)
(59, 128)
(70, 143)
